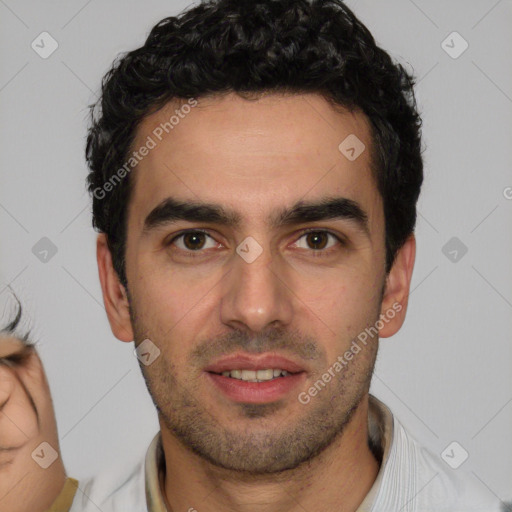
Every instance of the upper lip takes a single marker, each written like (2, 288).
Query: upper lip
(253, 362)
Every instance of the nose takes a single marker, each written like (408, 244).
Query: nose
(255, 295)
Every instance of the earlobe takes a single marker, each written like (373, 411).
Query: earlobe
(114, 295)
(396, 293)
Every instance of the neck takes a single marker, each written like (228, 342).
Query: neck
(337, 479)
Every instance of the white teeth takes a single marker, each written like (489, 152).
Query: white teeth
(236, 374)
(255, 375)
(248, 375)
(265, 374)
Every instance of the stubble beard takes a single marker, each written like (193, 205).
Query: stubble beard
(259, 445)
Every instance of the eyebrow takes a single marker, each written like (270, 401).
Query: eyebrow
(330, 208)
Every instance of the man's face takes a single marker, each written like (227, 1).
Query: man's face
(303, 297)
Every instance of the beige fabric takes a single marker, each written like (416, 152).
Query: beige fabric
(66, 496)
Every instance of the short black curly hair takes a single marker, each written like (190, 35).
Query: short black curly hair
(259, 46)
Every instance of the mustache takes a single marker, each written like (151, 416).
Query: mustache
(271, 340)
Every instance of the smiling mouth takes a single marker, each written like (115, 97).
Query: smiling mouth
(256, 375)
(252, 382)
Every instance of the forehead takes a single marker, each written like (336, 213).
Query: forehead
(254, 156)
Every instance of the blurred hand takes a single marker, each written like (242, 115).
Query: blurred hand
(27, 420)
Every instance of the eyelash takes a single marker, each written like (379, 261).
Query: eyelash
(316, 253)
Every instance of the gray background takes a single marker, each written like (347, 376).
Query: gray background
(447, 374)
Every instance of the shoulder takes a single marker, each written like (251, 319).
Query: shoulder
(421, 481)
(112, 490)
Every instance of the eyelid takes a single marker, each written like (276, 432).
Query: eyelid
(340, 238)
(183, 232)
(18, 357)
(320, 230)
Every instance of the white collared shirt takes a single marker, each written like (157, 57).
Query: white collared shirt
(410, 479)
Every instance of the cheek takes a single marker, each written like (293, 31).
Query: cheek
(343, 307)
(18, 422)
(352, 293)
(171, 312)
(168, 293)
(7, 383)
(159, 301)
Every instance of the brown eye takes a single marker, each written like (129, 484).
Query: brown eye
(320, 241)
(317, 239)
(193, 241)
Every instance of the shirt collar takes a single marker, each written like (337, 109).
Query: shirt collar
(380, 436)
(154, 471)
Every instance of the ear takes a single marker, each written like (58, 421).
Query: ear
(396, 293)
(114, 294)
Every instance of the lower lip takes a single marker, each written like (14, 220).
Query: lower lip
(257, 392)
